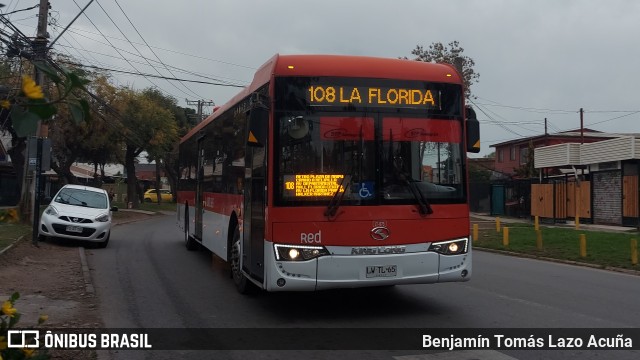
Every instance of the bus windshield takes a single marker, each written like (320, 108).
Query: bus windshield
(367, 154)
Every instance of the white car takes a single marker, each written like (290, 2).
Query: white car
(80, 213)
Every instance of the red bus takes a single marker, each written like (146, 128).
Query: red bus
(333, 172)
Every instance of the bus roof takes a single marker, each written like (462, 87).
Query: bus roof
(338, 66)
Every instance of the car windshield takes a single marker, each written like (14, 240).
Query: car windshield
(80, 197)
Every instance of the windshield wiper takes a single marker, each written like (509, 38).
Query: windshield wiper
(334, 204)
(424, 207)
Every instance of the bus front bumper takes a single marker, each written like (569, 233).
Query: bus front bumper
(351, 271)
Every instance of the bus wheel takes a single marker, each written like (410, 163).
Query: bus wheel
(243, 285)
(189, 242)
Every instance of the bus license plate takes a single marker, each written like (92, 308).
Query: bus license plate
(382, 271)
(76, 229)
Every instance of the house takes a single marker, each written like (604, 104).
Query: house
(512, 154)
(148, 172)
(604, 191)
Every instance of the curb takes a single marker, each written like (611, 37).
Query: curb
(86, 274)
(135, 220)
(560, 261)
(12, 244)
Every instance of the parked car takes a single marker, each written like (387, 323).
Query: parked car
(152, 196)
(80, 213)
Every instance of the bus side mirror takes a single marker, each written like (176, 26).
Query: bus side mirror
(258, 126)
(473, 131)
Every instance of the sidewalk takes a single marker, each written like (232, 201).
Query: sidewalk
(477, 217)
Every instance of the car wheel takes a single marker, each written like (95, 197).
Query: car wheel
(189, 242)
(243, 285)
(104, 244)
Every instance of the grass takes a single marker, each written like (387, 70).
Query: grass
(605, 249)
(10, 232)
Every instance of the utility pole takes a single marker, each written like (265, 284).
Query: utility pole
(200, 104)
(545, 126)
(39, 54)
(581, 126)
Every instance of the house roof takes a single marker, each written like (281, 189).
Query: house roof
(145, 167)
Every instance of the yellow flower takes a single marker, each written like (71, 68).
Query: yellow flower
(5, 104)
(30, 89)
(3, 344)
(42, 319)
(28, 352)
(8, 309)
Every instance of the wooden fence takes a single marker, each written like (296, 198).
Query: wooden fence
(560, 199)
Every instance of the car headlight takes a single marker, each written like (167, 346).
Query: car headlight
(450, 247)
(103, 218)
(50, 210)
(298, 252)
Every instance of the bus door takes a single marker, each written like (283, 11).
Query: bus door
(199, 203)
(255, 196)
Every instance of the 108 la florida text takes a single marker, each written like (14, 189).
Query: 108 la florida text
(497, 341)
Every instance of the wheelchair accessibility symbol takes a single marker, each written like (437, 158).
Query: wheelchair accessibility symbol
(366, 189)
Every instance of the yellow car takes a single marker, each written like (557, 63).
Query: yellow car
(151, 195)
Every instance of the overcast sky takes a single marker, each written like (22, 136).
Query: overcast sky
(536, 59)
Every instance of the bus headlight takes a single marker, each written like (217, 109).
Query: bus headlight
(298, 252)
(450, 247)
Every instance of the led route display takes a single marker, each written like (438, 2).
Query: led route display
(374, 96)
(312, 185)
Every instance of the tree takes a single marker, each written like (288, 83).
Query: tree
(160, 151)
(186, 121)
(93, 140)
(528, 169)
(479, 174)
(106, 146)
(168, 157)
(147, 125)
(26, 103)
(439, 53)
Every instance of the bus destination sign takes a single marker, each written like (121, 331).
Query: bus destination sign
(373, 96)
(312, 185)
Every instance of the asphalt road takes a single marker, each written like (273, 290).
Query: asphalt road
(147, 279)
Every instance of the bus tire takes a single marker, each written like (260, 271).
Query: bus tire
(243, 285)
(189, 242)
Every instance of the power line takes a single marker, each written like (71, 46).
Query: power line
(119, 53)
(145, 41)
(529, 109)
(615, 118)
(17, 11)
(216, 78)
(133, 46)
(163, 49)
(150, 75)
(497, 122)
